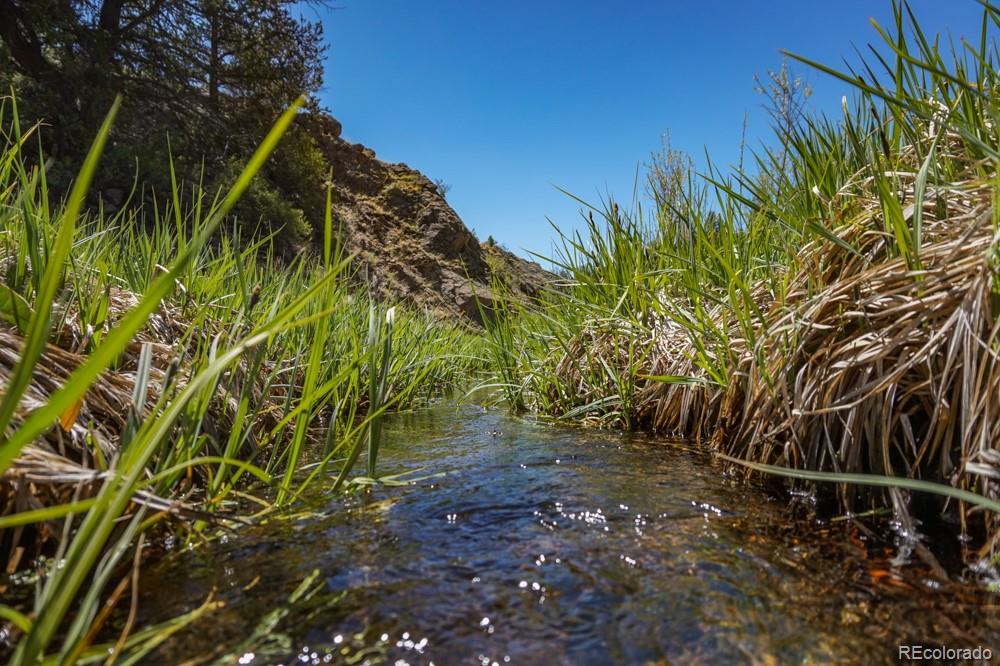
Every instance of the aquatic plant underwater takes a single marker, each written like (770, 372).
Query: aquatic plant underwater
(827, 312)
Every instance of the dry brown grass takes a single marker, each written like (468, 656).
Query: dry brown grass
(884, 370)
(688, 410)
(70, 461)
(865, 365)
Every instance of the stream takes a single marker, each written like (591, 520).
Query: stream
(529, 543)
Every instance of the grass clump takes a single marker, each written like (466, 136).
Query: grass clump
(157, 372)
(833, 306)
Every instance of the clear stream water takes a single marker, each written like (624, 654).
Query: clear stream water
(546, 545)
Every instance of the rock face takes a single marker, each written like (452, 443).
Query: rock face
(408, 241)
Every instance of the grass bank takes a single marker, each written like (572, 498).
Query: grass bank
(162, 376)
(832, 307)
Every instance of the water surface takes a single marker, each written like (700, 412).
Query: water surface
(556, 545)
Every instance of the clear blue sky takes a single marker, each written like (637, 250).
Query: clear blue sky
(506, 100)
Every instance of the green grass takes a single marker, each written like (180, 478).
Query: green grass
(230, 374)
(831, 308)
(820, 309)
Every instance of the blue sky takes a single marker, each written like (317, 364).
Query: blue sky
(505, 101)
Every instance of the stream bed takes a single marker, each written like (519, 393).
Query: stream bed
(536, 544)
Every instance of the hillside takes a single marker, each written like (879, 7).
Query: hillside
(408, 241)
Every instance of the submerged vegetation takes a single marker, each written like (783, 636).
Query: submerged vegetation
(157, 372)
(832, 306)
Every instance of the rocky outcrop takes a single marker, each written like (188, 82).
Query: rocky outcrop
(407, 240)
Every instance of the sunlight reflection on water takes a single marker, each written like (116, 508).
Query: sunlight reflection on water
(554, 545)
